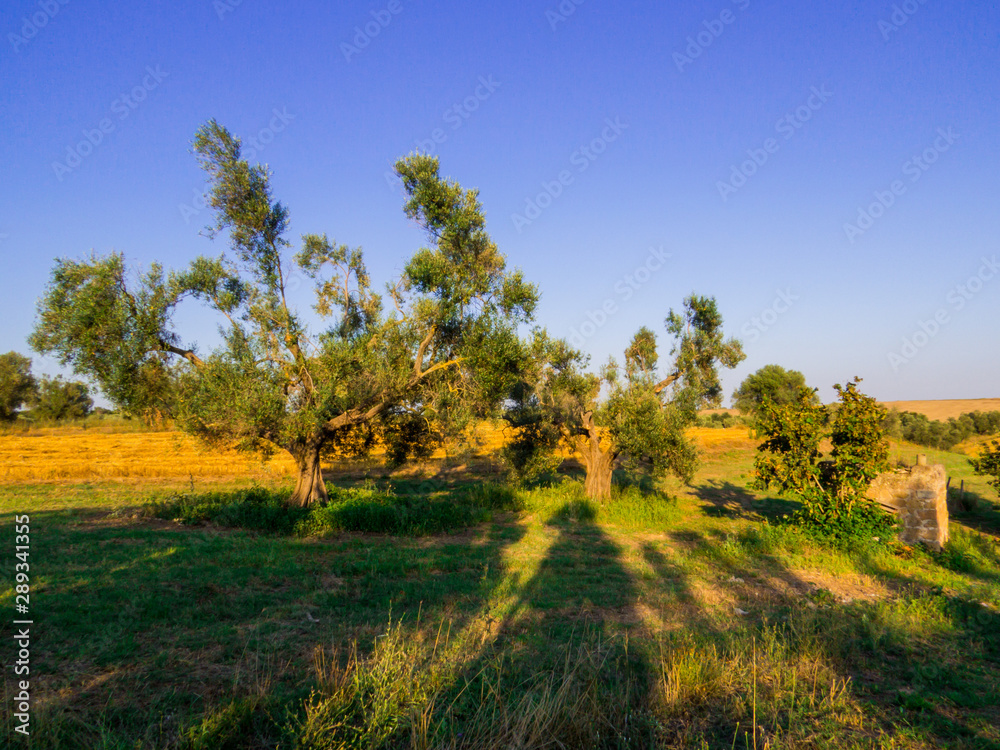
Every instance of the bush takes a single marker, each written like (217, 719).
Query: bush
(360, 509)
(832, 489)
(720, 420)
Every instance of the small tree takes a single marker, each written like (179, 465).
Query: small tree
(440, 349)
(988, 463)
(637, 420)
(773, 383)
(17, 385)
(832, 490)
(58, 399)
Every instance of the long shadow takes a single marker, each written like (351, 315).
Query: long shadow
(564, 648)
(145, 628)
(983, 516)
(944, 685)
(724, 499)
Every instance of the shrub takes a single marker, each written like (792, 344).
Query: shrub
(360, 509)
(832, 490)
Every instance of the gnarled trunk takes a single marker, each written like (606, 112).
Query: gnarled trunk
(310, 487)
(599, 462)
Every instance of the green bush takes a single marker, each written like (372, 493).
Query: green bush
(361, 509)
(832, 489)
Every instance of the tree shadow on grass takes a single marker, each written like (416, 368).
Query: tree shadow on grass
(983, 516)
(911, 674)
(149, 627)
(724, 499)
(559, 671)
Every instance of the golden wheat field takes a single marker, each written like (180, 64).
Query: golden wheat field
(69, 453)
(61, 454)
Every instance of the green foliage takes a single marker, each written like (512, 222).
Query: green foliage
(860, 450)
(644, 430)
(699, 350)
(788, 458)
(17, 386)
(358, 509)
(719, 420)
(988, 463)
(919, 429)
(446, 353)
(58, 399)
(832, 491)
(626, 410)
(773, 383)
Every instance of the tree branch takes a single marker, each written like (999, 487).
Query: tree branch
(187, 354)
(418, 363)
(666, 383)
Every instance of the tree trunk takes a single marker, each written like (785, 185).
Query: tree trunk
(599, 462)
(310, 487)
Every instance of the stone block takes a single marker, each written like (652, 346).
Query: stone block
(919, 496)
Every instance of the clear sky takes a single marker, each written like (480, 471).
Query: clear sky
(829, 172)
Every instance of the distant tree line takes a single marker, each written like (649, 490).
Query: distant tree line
(22, 395)
(934, 433)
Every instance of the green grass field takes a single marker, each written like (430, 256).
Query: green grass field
(166, 616)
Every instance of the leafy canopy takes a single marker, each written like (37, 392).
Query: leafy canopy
(773, 383)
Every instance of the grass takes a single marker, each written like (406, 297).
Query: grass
(453, 612)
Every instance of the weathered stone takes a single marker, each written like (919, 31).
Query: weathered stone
(919, 496)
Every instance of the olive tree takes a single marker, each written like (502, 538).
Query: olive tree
(438, 342)
(625, 413)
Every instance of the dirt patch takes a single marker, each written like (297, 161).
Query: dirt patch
(845, 587)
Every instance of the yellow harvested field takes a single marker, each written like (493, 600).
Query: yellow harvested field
(76, 454)
(73, 454)
(141, 455)
(947, 408)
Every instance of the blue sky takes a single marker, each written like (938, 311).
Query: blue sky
(828, 172)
